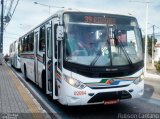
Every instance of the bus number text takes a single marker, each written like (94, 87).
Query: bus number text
(79, 93)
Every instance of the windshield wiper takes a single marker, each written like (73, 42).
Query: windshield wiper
(96, 58)
(125, 52)
(100, 53)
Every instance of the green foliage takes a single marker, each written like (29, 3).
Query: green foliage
(150, 44)
(157, 65)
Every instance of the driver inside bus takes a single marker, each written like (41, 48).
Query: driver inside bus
(73, 44)
(76, 47)
(88, 42)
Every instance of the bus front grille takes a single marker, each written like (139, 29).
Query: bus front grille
(100, 97)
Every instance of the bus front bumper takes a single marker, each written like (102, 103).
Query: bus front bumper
(89, 96)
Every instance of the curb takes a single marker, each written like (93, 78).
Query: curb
(152, 76)
(53, 114)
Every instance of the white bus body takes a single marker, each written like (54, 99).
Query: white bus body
(106, 71)
(14, 54)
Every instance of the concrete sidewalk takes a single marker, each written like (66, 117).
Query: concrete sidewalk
(15, 100)
(152, 73)
(152, 81)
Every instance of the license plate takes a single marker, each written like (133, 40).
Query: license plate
(110, 102)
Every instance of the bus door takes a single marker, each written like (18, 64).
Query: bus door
(56, 73)
(36, 37)
(58, 34)
(49, 59)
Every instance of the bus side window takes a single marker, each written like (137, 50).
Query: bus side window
(57, 46)
(25, 44)
(60, 55)
(42, 39)
(18, 47)
(31, 42)
(49, 43)
(55, 40)
(21, 45)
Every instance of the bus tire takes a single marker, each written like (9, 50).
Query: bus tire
(43, 82)
(25, 73)
(11, 64)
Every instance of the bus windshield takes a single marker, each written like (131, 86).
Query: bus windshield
(102, 40)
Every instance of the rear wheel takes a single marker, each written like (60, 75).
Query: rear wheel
(44, 82)
(11, 64)
(25, 74)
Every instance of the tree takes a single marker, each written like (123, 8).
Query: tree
(150, 44)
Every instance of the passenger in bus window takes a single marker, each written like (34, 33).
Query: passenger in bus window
(43, 45)
(25, 47)
(30, 47)
(120, 37)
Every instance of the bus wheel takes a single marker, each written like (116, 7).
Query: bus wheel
(25, 74)
(44, 82)
(11, 64)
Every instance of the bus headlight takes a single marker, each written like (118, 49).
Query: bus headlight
(74, 82)
(139, 79)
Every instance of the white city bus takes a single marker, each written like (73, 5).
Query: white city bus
(83, 58)
(14, 53)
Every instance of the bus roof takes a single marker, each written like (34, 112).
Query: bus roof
(93, 11)
(60, 13)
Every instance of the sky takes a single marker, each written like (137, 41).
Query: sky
(28, 15)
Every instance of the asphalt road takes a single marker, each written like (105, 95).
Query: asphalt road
(147, 107)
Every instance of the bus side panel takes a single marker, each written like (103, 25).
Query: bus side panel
(30, 68)
(27, 61)
(41, 67)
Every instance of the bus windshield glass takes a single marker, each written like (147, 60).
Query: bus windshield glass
(101, 39)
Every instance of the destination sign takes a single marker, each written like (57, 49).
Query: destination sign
(99, 20)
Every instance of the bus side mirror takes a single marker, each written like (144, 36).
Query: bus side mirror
(60, 33)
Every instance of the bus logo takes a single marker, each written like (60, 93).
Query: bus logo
(109, 82)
